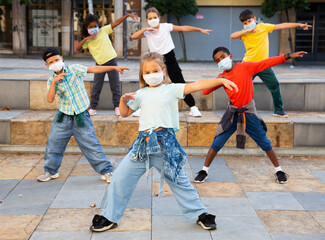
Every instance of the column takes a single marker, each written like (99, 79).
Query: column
(19, 33)
(66, 27)
(118, 13)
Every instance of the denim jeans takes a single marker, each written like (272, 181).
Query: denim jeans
(126, 177)
(59, 137)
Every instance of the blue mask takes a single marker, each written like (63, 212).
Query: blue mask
(93, 31)
(252, 25)
(225, 64)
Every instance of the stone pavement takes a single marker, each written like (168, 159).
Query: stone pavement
(240, 191)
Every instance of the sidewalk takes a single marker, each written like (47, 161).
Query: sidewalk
(241, 192)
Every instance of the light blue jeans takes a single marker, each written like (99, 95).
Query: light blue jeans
(59, 137)
(126, 177)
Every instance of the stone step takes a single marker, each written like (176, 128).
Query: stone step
(301, 129)
(302, 95)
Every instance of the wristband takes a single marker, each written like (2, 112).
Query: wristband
(287, 56)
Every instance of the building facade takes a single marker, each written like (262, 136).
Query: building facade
(27, 30)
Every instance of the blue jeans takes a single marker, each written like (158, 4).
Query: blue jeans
(126, 177)
(59, 137)
(254, 129)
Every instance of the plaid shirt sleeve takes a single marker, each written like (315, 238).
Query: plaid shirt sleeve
(80, 70)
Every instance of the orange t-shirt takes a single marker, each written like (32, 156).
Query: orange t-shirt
(242, 75)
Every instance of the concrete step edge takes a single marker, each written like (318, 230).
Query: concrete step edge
(296, 151)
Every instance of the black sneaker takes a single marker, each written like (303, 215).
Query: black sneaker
(201, 176)
(100, 224)
(206, 221)
(281, 177)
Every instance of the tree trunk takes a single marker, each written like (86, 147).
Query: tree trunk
(290, 38)
(182, 38)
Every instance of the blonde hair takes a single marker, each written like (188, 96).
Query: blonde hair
(148, 57)
(152, 9)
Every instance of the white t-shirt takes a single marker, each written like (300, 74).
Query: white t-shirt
(159, 106)
(161, 41)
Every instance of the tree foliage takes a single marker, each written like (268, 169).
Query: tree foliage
(9, 2)
(271, 7)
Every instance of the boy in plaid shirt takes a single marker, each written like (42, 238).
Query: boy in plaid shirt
(72, 118)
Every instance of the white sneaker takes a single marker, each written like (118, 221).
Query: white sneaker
(117, 111)
(92, 112)
(137, 113)
(195, 112)
(107, 177)
(45, 177)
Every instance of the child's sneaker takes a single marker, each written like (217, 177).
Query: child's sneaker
(195, 112)
(117, 111)
(100, 224)
(281, 177)
(201, 176)
(207, 221)
(137, 113)
(107, 177)
(45, 177)
(92, 112)
(280, 113)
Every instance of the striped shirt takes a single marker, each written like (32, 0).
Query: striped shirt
(72, 91)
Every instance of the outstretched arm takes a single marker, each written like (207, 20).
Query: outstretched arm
(191, 29)
(239, 34)
(125, 110)
(120, 20)
(209, 83)
(287, 25)
(101, 69)
(140, 34)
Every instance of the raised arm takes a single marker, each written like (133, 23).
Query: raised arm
(125, 110)
(287, 25)
(51, 92)
(140, 34)
(191, 29)
(120, 20)
(101, 69)
(79, 45)
(239, 34)
(209, 83)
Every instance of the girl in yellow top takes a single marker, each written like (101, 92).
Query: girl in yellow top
(100, 47)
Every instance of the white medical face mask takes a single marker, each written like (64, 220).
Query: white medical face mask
(252, 25)
(154, 79)
(225, 64)
(153, 22)
(57, 66)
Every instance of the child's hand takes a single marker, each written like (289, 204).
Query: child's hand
(305, 26)
(205, 31)
(128, 96)
(134, 17)
(251, 30)
(91, 37)
(152, 30)
(59, 77)
(298, 54)
(121, 69)
(230, 85)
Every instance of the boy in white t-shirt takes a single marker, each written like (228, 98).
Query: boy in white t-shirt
(160, 40)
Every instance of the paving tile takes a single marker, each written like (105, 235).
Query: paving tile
(229, 207)
(306, 185)
(18, 227)
(244, 228)
(214, 189)
(166, 191)
(8, 115)
(244, 161)
(165, 206)
(311, 201)
(165, 227)
(80, 192)
(30, 197)
(250, 172)
(68, 163)
(141, 197)
(14, 172)
(319, 216)
(298, 172)
(297, 236)
(280, 221)
(67, 220)
(6, 186)
(134, 235)
(21, 160)
(319, 174)
(84, 235)
(83, 170)
(273, 201)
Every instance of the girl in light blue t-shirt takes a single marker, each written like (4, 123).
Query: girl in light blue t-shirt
(156, 145)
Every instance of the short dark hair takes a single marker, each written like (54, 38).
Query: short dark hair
(50, 52)
(218, 49)
(84, 26)
(244, 15)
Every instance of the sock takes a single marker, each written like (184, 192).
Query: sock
(278, 169)
(205, 168)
